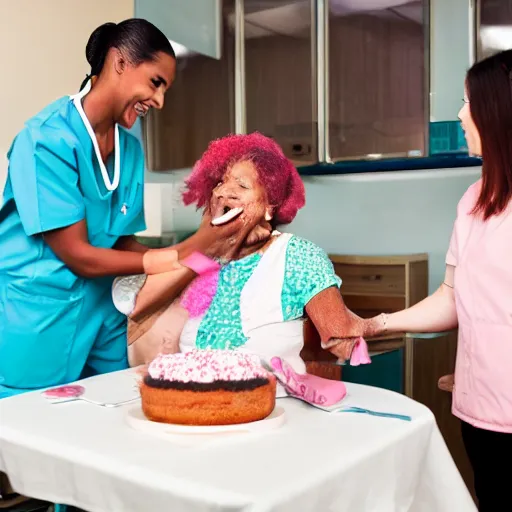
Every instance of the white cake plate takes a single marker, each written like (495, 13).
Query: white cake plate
(136, 419)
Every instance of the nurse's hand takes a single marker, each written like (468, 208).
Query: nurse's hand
(225, 241)
(158, 261)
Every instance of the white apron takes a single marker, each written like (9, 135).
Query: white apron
(261, 310)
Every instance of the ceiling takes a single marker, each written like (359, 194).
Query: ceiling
(293, 17)
(289, 17)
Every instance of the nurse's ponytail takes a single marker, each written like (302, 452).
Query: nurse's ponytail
(98, 46)
(138, 38)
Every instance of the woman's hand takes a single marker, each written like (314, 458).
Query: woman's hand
(341, 348)
(338, 327)
(376, 326)
(446, 383)
(259, 235)
(357, 328)
(158, 261)
(225, 241)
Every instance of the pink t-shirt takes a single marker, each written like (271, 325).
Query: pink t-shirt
(481, 252)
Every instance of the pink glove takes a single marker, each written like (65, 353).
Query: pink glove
(309, 388)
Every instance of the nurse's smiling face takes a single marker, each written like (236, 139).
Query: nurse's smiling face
(142, 87)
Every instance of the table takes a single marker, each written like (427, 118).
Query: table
(84, 455)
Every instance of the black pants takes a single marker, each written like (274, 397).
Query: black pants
(490, 454)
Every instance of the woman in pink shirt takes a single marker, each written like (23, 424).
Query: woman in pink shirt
(476, 294)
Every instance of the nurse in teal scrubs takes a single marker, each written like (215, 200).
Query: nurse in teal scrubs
(73, 200)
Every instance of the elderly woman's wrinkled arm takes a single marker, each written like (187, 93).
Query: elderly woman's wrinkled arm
(337, 326)
(160, 290)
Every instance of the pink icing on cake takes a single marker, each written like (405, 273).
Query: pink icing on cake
(207, 366)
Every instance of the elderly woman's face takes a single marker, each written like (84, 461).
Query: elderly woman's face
(241, 188)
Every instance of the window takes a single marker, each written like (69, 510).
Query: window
(360, 93)
(377, 79)
(199, 107)
(494, 27)
(280, 79)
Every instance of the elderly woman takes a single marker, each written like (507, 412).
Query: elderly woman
(257, 301)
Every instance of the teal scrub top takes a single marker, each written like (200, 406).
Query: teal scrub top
(54, 323)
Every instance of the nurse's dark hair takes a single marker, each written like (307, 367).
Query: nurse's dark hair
(139, 39)
(489, 88)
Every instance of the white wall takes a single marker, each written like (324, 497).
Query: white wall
(385, 214)
(42, 54)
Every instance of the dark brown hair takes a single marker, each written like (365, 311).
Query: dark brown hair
(138, 37)
(489, 87)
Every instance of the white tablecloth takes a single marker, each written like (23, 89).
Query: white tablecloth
(88, 456)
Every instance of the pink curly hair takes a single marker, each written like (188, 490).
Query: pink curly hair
(279, 177)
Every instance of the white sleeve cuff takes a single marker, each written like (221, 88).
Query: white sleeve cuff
(125, 290)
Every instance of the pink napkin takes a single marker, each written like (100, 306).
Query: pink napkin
(310, 388)
(360, 353)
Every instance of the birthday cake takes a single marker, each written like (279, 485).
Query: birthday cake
(207, 387)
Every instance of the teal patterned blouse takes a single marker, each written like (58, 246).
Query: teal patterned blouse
(308, 271)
